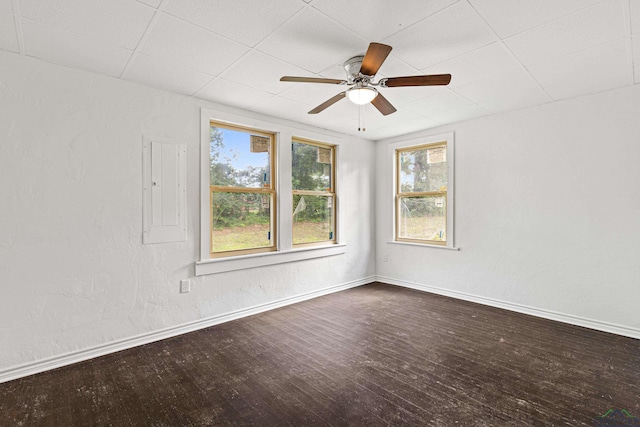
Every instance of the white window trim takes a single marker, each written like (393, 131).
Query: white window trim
(391, 157)
(285, 251)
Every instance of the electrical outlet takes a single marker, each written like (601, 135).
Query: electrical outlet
(185, 286)
(385, 258)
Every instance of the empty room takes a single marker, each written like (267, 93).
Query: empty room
(320, 213)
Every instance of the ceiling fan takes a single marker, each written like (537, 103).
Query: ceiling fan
(360, 73)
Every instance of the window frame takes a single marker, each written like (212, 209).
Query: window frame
(271, 191)
(331, 194)
(447, 140)
(285, 252)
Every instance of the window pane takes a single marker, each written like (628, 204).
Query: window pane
(423, 169)
(239, 158)
(312, 218)
(240, 221)
(422, 218)
(311, 167)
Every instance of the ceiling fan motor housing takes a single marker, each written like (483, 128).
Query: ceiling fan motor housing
(352, 67)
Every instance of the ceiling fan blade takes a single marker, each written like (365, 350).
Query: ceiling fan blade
(311, 80)
(428, 80)
(329, 102)
(373, 59)
(384, 106)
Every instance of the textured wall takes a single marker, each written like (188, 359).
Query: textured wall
(547, 210)
(73, 271)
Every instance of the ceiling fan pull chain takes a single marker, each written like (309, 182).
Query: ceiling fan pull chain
(363, 118)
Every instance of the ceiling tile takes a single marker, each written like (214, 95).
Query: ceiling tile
(590, 27)
(282, 107)
(333, 71)
(73, 50)
(6, 7)
(512, 90)
(375, 120)
(233, 94)
(515, 101)
(8, 36)
(445, 35)
(400, 97)
(588, 71)
(377, 19)
(165, 75)
(459, 114)
(443, 101)
(477, 65)
(263, 72)
(636, 57)
(634, 7)
(401, 127)
(176, 41)
(246, 21)
(509, 17)
(120, 22)
(313, 42)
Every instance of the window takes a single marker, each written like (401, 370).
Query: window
(423, 211)
(246, 165)
(314, 197)
(242, 190)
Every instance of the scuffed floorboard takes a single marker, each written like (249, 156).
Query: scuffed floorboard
(373, 355)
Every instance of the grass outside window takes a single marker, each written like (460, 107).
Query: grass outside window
(242, 190)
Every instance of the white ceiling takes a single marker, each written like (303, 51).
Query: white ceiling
(503, 54)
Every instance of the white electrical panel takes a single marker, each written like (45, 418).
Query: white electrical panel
(165, 192)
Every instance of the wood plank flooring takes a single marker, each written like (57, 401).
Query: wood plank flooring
(369, 356)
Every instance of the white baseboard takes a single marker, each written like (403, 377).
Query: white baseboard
(538, 312)
(42, 365)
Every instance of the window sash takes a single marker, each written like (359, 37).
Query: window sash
(400, 237)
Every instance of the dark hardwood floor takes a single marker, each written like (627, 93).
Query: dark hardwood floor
(373, 355)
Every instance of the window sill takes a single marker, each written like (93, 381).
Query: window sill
(424, 245)
(222, 265)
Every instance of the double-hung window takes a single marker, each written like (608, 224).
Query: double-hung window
(314, 196)
(242, 190)
(268, 194)
(423, 198)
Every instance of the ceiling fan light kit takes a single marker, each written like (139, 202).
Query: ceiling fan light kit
(361, 95)
(360, 73)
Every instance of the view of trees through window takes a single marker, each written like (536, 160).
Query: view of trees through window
(242, 191)
(313, 192)
(421, 210)
(243, 196)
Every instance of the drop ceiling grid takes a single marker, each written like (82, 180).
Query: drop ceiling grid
(557, 50)
(508, 18)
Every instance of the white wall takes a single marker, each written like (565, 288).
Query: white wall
(73, 271)
(547, 213)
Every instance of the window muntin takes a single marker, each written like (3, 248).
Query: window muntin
(421, 194)
(242, 191)
(314, 197)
